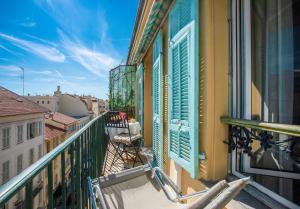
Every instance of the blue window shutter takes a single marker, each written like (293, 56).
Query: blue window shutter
(183, 86)
(157, 102)
(141, 96)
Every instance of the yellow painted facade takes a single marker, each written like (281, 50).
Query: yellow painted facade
(213, 96)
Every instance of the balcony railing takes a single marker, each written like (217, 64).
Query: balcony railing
(86, 150)
(242, 133)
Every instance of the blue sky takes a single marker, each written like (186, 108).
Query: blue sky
(70, 43)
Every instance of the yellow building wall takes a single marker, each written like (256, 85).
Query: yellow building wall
(147, 62)
(213, 95)
(214, 77)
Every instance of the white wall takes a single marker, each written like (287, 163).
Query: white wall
(49, 102)
(23, 148)
(72, 106)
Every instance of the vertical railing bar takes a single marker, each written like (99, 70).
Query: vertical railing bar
(89, 151)
(78, 173)
(63, 180)
(28, 190)
(98, 148)
(50, 186)
(82, 170)
(93, 151)
(86, 166)
(72, 176)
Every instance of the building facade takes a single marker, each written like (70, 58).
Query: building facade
(207, 70)
(54, 136)
(22, 141)
(71, 105)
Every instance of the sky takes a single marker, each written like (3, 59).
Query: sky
(71, 43)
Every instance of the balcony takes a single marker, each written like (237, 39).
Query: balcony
(86, 148)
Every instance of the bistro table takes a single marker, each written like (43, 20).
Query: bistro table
(134, 128)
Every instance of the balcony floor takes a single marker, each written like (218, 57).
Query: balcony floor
(119, 165)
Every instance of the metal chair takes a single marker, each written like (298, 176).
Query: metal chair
(124, 142)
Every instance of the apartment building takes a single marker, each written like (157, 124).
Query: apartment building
(21, 142)
(71, 105)
(218, 92)
(62, 121)
(58, 127)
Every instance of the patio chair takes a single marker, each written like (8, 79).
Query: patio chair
(148, 188)
(123, 142)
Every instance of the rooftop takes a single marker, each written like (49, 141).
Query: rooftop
(61, 118)
(12, 104)
(52, 132)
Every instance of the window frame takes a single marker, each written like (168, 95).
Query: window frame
(240, 85)
(6, 140)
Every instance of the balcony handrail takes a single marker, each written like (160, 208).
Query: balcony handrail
(10, 188)
(287, 129)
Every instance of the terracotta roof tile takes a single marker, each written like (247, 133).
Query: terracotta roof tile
(52, 131)
(13, 104)
(61, 118)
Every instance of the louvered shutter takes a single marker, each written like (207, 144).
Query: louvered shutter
(141, 95)
(157, 94)
(183, 86)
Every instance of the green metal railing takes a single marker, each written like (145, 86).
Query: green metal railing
(86, 149)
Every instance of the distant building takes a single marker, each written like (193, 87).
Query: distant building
(58, 127)
(53, 137)
(62, 121)
(21, 142)
(71, 105)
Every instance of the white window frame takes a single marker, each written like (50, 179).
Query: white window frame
(236, 27)
(6, 140)
(5, 172)
(20, 136)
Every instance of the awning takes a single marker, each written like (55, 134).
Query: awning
(157, 13)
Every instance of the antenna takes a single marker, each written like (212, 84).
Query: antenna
(23, 77)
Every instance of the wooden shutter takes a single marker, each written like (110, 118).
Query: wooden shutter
(157, 102)
(141, 95)
(183, 86)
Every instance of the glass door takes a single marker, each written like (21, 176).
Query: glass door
(267, 88)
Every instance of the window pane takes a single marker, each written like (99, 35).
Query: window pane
(275, 89)
(276, 61)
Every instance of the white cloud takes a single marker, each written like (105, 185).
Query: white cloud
(76, 22)
(79, 77)
(44, 72)
(42, 50)
(8, 50)
(28, 24)
(11, 68)
(96, 62)
(58, 74)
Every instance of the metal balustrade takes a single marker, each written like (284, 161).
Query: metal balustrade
(86, 149)
(242, 132)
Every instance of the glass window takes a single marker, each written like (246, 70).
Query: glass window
(272, 89)
(276, 61)
(34, 129)
(5, 138)
(19, 163)
(19, 134)
(5, 173)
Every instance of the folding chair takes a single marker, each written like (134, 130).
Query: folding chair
(123, 142)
